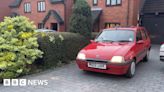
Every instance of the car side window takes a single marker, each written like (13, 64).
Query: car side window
(144, 34)
(139, 36)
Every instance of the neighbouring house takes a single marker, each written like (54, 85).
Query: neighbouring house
(111, 13)
(50, 14)
(4, 9)
(152, 17)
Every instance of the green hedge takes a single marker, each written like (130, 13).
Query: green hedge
(60, 47)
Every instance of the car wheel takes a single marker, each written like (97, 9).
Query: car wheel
(132, 70)
(146, 58)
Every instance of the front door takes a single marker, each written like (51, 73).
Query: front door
(54, 26)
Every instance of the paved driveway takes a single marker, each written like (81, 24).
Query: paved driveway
(149, 78)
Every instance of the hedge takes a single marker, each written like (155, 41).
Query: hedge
(60, 47)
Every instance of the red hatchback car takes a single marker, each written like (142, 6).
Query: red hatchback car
(116, 51)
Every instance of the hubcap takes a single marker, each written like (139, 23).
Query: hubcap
(133, 67)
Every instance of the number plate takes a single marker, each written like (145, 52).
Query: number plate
(97, 65)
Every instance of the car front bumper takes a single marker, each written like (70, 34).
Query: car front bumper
(111, 68)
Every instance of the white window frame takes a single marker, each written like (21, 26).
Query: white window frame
(27, 7)
(113, 2)
(41, 6)
(108, 2)
(95, 2)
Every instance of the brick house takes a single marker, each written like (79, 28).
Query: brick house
(51, 14)
(109, 13)
(55, 14)
(4, 9)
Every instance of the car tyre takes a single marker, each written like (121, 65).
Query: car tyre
(146, 58)
(131, 70)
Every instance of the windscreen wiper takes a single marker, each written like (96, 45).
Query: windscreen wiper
(123, 41)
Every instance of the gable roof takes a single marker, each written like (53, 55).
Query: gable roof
(17, 3)
(55, 15)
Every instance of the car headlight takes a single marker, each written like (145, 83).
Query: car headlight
(81, 56)
(162, 46)
(117, 59)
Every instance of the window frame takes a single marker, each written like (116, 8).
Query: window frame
(40, 26)
(27, 9)
(110, 3)
(139, 31)
(40, 7)
(95, 4)
(144, 34)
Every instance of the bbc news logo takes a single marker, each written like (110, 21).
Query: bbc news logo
(24, 82)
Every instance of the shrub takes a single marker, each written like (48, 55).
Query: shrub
(80, 21)
(18, 47)
(60, 47)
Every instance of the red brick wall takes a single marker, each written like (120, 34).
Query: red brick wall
(4, 9)
(118, 14)
(37, 17)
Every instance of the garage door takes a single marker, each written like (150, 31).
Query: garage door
(155, 25)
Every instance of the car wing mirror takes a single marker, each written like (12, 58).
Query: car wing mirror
(140, 42)
(92, 41)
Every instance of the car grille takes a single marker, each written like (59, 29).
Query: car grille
(96, 60)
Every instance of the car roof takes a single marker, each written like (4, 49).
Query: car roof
(124, 28)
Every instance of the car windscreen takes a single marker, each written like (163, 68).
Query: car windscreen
(116, 36)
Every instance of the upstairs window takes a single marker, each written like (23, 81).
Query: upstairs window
(95, 2)
(113, 2)
(41, 6)
(27, 7)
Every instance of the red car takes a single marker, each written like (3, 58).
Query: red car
(116, 51)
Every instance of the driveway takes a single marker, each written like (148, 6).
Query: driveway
(149, 78)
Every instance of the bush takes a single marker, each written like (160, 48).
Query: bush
(60, 47)
(81, 21)
(18, 47)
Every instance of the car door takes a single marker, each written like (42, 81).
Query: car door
(140, 51)
(146, 41)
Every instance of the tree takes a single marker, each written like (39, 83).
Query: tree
(81, 21)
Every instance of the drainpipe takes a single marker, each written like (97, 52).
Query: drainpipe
(128, 11)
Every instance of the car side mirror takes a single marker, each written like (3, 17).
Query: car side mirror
(140, 42)
(92, 41)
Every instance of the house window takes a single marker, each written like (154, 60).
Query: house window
(41, 6)
(108, 2)
(40, 25)
(113, 2)
(111, 25)
(27, 7)
(95, 2)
